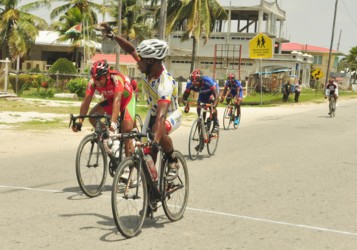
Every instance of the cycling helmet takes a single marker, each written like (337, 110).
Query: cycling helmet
(196, 76)
(99, 68)
(153, 48)
(231, 77)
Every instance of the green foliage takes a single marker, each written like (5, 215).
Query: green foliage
(78, 86)
(63, 65)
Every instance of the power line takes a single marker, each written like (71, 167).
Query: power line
(353, 21)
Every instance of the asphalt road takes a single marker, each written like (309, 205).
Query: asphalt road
(286, 179)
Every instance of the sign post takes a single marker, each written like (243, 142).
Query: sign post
(260, 47)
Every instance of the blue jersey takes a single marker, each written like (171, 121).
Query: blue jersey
(234, 87)
(205, 90)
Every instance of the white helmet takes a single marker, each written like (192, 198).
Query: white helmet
(153, 48)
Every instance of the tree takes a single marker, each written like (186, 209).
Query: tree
(196, 17)
(18, 28)
(135, 24)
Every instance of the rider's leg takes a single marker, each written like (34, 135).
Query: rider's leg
(98, 109)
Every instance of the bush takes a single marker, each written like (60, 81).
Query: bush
(63, 66)
(78, 86)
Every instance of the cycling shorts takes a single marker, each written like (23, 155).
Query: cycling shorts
(172, 122)
(129, 110)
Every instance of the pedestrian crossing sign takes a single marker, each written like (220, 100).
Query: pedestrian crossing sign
(260, 46)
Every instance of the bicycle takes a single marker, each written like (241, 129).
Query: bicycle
(201, 133)
(136, 196)
(229, 116)
(92, 152)
(332, 106)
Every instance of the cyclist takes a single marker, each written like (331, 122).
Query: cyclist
(331, 90)
(134, 85)
(163, 116)
(208, 90)
(235, 91)
(117, 95)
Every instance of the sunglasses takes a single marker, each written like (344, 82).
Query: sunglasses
(98, 78)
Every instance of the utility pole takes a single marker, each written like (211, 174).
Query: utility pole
(117, 57)
(163, 14)
(332, 35)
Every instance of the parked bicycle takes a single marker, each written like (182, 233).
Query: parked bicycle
(138, 195)
(201, 133)
(92, 155)
(229, 116)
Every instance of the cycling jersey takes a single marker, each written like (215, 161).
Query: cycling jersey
(206, 89)
(331, 89)
(234, 87)
(115, 83)
(163, 88)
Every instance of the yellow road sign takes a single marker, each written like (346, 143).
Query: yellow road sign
(260, 46)
(317, 73)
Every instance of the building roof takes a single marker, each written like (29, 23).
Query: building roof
(305, 48)
(111, 58)
(47, 37)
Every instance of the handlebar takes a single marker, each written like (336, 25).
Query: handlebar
(73, 118)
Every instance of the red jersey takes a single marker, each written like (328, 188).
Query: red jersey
(115, 83)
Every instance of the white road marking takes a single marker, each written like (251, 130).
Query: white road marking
(212, 212)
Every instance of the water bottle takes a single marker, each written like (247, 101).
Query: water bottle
(151, 165)
(115, 148)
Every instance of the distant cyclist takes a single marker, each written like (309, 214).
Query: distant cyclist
(208, 90)
(133, 84)
(331, 90)
(235, 91)
(117, 94)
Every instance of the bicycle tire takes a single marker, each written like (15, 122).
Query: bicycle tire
(331, 107)
(129, 209)
(139, 123)
(91, 166)
(176, 191)
(195, 141)
(226, 118)
(235, 126)
(212, 142)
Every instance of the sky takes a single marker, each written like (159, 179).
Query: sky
(307, 21)
(311, 21)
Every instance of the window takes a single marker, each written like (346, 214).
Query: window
(318, 60)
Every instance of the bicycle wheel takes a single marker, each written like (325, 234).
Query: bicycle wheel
(239, 118)
(176, 191)
(331, 107)
(195, 142)
(129, 200)
(91, 166)
(212, 142)
(139, 123)
(227, 117)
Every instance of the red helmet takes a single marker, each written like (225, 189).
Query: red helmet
(196, 76)
(99, 68)
(231, 77)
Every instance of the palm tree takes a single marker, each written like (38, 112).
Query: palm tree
(87, 8)
(197, 17)
(134, 23)
(71, 18)
(18, 28)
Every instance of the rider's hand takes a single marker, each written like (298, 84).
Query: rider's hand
(108, 30)
(113, 126)
(222, 99)
(325, 96)
(77, 127)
